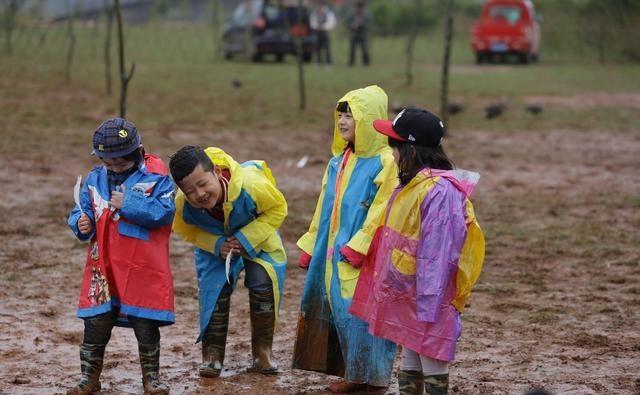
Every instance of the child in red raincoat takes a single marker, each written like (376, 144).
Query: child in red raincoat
(124, 213)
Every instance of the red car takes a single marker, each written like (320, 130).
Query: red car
(506, 27)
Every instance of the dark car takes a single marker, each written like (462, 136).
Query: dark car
(258, 28)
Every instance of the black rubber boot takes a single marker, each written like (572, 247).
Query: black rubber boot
(263, 320)
(150, 364)
(437, 384)
(91, 358)
(410, 382)
(215, 337)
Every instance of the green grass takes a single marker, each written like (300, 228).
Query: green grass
(179, 82)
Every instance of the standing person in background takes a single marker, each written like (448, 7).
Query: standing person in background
(358, 23)
(322, 21)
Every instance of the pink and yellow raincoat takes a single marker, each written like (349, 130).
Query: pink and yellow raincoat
(425, 259)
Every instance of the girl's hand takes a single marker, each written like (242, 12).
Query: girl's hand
(85, 226)
(116, 199)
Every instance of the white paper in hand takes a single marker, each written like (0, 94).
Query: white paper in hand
(76, 193)
(227, 265)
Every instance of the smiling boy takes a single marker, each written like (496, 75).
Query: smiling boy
(231, 211)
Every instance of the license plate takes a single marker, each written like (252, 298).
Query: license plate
(499, 47)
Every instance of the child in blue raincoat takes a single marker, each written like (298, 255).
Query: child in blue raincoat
(356, 186)
(231, 212)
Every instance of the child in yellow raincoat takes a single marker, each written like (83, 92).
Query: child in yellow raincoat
(356, 186)
(231, 212)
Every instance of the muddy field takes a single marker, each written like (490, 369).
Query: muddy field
(557, 306)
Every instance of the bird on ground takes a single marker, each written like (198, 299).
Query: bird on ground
(453, 108)
(533, 109)
(494, 110)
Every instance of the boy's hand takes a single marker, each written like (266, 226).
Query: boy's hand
(116, 199)
(231, 244)
(85, 226)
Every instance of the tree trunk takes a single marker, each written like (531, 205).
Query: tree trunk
(301, 83)
(218, 24)
(124, 77)
(108, 9)
(413, 34)
(9, 24)
(72, 41)
(444, 87)
(248, 31)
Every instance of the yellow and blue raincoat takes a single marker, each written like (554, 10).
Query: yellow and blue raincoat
(253, 212)
(355, 189)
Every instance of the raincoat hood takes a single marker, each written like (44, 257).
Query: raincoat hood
(367, 105)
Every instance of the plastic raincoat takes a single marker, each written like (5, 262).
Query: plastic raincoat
(128, 255)
(422, 266)
(253, 213)
(355, 189)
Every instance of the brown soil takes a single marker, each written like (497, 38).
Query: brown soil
(558, 304)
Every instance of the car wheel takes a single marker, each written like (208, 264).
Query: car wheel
(480, 57)
(524, 57)
(279, 57)
(228, 55)
(306, 56)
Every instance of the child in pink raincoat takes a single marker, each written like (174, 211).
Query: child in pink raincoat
(426, 255)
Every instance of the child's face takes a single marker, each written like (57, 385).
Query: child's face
(202, 188)
(118, 165)
(347, 126)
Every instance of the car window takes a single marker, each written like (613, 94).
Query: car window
(271, 13)
(511, 14)
(240, 15)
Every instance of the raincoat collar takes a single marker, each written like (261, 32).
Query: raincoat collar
(367, 105)
(225, 161)
(464, 180)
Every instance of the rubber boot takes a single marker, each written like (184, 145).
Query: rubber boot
(215, 337)
(410, 382)
(91, 358)
(437, 384)
(150, 364)
(263, 320)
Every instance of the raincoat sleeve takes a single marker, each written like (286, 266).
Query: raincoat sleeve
(442, 234)
(271, 210)
(194, 234)
(386, 181)
(308, 241)
(87, 208)
(153, 210)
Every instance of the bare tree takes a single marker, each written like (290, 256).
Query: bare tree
(10, 24)
(301, 82)
(72, 40)
(108, 9)
(124, 77)
(218, 23)
(444, 87)
(413, 34)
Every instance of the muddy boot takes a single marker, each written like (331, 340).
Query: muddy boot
(150, 363)
(91, 357)
(263, 319)
(215, 338)
(437, 384)
(410, 382)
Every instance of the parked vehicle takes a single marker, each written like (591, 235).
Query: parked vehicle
(260, 27)
(506, 27)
